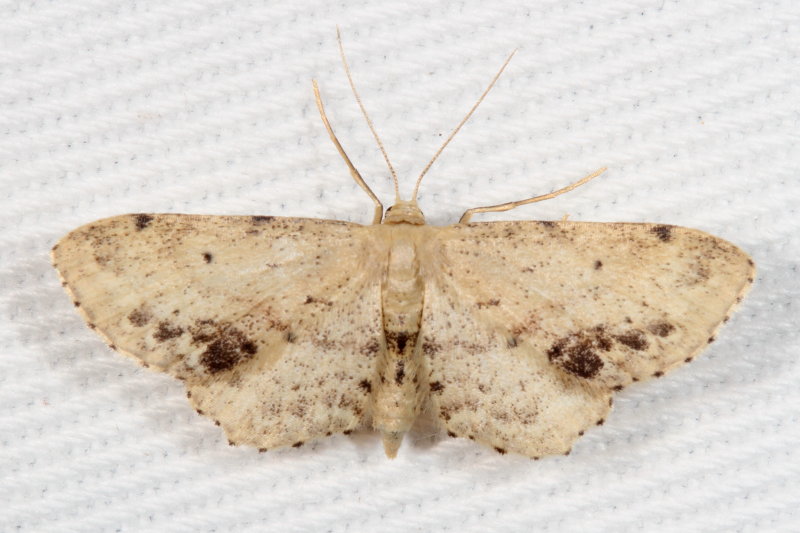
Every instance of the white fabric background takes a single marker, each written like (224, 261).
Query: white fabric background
(206, 107)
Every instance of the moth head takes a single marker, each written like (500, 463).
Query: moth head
(403, 212)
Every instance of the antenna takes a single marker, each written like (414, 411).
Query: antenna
(366, 116)
(378, 216)
(453, 134)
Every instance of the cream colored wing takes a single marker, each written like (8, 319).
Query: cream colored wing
(273, 324)
(529, 326)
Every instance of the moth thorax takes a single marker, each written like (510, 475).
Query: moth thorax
(404, 213)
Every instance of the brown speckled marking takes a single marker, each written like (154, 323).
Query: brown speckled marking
(501, 451)
(598, 265)
(142, 221)
(397, 341)
(436, 386)
(313, 300)
(577, 353)
(430, 348)
(258, 220)
(662, 329)
(600, 422)
(297, 444)
(228, 348)
(365, 385)
(167, 331)
(658, 373)
(140, 317)
(634, 339)
(400, 372)
(663, 232)
(207, 257)
(371, 348)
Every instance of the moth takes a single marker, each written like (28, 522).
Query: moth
(512, 334)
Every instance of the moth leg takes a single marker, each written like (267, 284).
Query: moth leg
(378, 216)
(511, 205)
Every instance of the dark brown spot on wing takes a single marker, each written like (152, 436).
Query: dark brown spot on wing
(663, 232)
(258, 220)
(501, 451)
(634, 339)
(577, 353)
(430, 347)
(142, 221)
(227, 348)
(207, 257)
(371, 348)
(366, 386)
(167, 331)
(139, 317)
(598, 265)
(436, 386)
(662, 329)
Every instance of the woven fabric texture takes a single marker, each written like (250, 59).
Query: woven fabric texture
(207, 107)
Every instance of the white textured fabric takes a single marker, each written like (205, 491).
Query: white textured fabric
(206, 107)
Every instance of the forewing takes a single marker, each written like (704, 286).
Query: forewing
(530, 325)
(272, 323)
